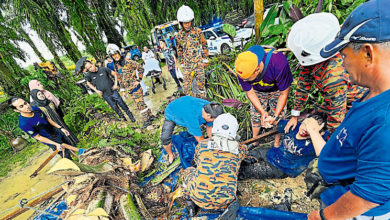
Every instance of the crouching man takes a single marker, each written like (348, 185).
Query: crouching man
(212, 185)
(191, 113)
(37, 125)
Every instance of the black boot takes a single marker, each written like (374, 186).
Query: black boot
(132, 119)
(148, 121)
(191, 208)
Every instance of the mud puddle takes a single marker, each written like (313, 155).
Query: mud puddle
(154, 100)
(19, 185)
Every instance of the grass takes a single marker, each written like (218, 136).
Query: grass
(9, 160)
(3, 95)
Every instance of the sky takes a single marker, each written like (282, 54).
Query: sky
(31, 57)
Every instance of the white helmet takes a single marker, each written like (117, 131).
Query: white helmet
(185, 14)
(310, 34)
(225, 125)
(112, 49)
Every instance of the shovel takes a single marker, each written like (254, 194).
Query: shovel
(43, 164)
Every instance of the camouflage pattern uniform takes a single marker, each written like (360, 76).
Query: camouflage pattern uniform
(269, 101)
(213, 184)
(192, 49)
(127, 80)
(333, 82)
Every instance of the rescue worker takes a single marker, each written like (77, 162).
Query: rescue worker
(354, 163)
(114, 52)
(191, 113)
(266, 78)
(131, 82)
(192, 52)
(306, 39)
(212, 185)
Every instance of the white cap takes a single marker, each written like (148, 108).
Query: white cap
(185, 14)
(310, 34)
(225, 125)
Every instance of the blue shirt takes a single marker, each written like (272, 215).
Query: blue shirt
(111, 66)
(293, 156)
(187, 112)
(38, 124)
(360, 149)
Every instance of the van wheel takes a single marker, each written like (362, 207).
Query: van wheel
(225, 49)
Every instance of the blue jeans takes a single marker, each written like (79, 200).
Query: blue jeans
(173, 74)
(115, 100)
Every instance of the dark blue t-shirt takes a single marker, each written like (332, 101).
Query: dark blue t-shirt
(38, 124)
(293, 156)
(187, 112)
(360, 149)
(111, 66)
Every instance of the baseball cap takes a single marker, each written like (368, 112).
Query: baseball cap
(80, 64)
(247, 62)
(368, 23)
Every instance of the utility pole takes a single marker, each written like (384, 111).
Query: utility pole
(259, 6)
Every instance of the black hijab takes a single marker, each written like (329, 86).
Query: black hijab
(36, 101)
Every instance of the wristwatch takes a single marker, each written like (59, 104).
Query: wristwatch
(276, 117)
(295, 113)
(322, 214)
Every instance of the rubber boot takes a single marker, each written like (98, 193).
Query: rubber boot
(132, 119)
(191, 208)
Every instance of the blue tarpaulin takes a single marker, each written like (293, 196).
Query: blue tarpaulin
(184, 144)
(55, 209)
(254, 213)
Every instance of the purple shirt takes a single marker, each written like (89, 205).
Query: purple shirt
(277, 76)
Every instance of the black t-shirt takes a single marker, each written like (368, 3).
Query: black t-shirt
(101, 80)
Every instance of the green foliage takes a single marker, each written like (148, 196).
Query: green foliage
(9, 160)
(229, 29)
(340, 8)
(274, 33)
(223, 84)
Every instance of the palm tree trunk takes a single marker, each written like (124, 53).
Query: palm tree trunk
(258, 4)
(8, 81)
(31, 43)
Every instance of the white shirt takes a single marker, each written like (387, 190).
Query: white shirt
(147, 55)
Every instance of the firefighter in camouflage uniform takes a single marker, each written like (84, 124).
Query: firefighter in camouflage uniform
(306, 39)
(192, 52)
(130, 79)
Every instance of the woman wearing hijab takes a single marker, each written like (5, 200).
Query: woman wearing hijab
(35, 84)
(51, 111)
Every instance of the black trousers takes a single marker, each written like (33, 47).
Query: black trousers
(257, 166)
(115, 100)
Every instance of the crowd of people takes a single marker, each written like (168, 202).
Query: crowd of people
(347, 134)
